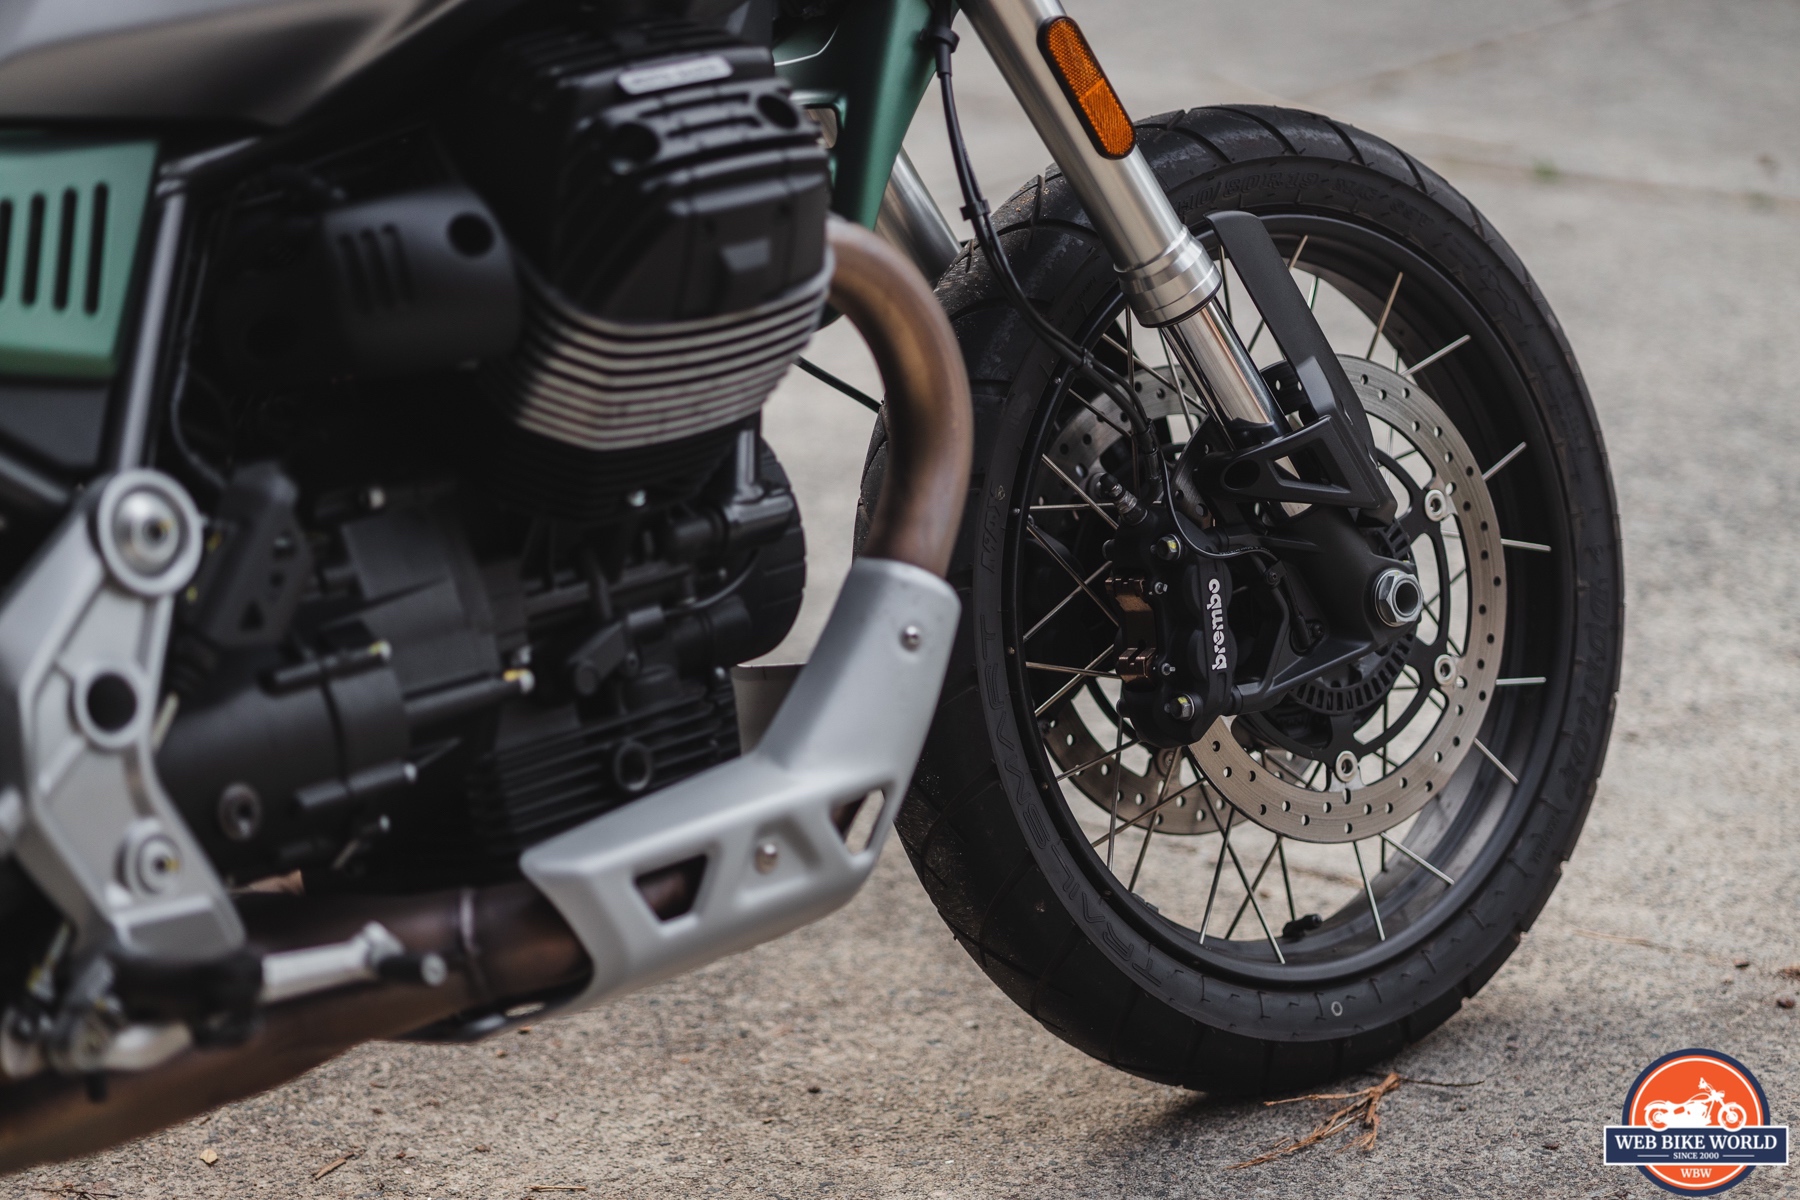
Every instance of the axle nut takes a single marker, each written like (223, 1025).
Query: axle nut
(1398, 597)
(1181, 707)
(1166, 547)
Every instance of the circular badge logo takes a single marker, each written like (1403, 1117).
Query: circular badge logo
(1696, 1122)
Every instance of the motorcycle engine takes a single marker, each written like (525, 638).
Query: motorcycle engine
(476, 401)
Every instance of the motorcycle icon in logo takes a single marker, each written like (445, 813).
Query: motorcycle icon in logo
(1707, 1107)
(1696, 1122)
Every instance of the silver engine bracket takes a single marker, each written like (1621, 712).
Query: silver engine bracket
(82, 638)
(772, 826)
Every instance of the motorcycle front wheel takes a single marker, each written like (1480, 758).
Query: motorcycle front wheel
(1303, 892)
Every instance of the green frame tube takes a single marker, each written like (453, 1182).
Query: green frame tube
(867, 63)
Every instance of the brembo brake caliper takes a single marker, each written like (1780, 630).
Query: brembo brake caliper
(1171, 583)
(1175, 649)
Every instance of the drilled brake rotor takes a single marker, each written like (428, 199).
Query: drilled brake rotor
(1448, 511)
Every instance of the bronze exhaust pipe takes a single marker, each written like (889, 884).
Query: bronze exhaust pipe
(520, 946)
(931, 427)
(507, 943)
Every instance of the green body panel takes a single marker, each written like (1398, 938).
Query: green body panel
(867, 63)
(60, 308)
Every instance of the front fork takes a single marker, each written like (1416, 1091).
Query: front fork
(1169, 279)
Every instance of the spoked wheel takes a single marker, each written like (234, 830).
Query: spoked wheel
(1324, 787)
(1311, 883)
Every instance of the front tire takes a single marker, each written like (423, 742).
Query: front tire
(996, 826)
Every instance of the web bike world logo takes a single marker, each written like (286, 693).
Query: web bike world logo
(1696, 1122)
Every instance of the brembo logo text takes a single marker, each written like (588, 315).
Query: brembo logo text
(1215, 605)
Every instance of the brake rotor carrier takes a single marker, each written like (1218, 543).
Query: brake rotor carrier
(1259, 780)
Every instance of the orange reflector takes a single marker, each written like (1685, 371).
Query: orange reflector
(1079, 72)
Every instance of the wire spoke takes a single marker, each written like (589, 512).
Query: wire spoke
(1088, 672)
(1045, 619)
(1368, 890)
(1286, 885)
(1250, 894)
(1388, 841)
(1504, 459)
(1113, 753)
(1031, 528)
(1489, 755)
(1078, 490)
(1385, 310)
(1075, 681)
(1244, 907)
(1218, 866)
(1433, 357)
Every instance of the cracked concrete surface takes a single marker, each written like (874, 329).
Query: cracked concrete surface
(1644, 159)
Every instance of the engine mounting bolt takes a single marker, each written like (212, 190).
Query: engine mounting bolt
(147, 530)
(1345, 766)
(156, 864)
(1436, 506)
(240, 812)
(1444, 669)
(911, 637)
(1166, 547)
(1398, 597)
(1181, 707)
(767, 855)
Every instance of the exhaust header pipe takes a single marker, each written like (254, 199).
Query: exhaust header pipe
(574, 932)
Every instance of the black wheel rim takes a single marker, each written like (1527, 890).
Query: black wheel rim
(1481, 388)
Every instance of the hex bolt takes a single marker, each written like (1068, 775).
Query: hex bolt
(1398, 597)
(1181, 706)
(1345, 766)
(1166, 669)
(1444, 669)
(1437, 507)
(240, 812)
(767, 855)
(911, 637)
(147, 531)
(156, 864)
(1167, 547)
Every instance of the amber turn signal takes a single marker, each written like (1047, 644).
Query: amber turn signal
(1076, 68)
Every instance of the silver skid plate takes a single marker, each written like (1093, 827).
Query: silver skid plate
(852, 727)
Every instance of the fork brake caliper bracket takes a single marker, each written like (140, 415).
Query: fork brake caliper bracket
(1333, 437)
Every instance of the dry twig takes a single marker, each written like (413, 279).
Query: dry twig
(1364, 1109)
(329, 1167)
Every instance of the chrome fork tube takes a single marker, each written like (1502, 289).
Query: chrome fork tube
(1168, 277)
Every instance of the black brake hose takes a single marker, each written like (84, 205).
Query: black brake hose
(943, 41)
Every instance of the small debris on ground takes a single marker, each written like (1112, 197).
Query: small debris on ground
(814, 1089)
(1791, 971)
(482, 1147)
(558, 1187)
(399, 1154)
(1553, 1145)
(1741, 963)
(333, 1165)
(68, 1187)
(1364, 1108)
(1785, 1002)
(209, 1156)
(524, 1029)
